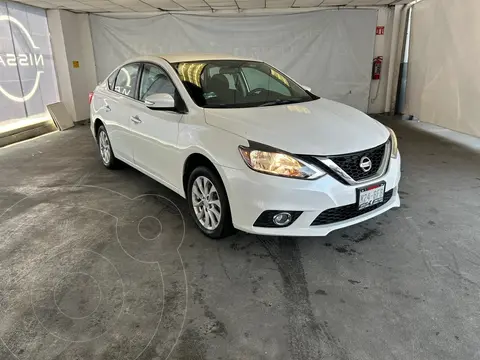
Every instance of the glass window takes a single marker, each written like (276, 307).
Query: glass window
(155, 81)
(127, 79)
(214, 70)
(257, 79)
(238, 83)
(111, 80)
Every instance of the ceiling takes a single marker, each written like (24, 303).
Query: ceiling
(101, 6)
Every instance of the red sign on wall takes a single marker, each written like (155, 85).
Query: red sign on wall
(380, 30)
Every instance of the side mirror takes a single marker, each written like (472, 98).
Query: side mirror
(306, 88)
(160, 102)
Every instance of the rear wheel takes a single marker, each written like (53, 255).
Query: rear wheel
(105, 148)
(208, 203)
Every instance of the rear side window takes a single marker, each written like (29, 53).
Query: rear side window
(127, 79)
(111, 80)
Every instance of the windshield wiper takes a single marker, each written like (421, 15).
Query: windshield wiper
(282, 102)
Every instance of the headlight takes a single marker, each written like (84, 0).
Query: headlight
(393, 138)
(276, 163)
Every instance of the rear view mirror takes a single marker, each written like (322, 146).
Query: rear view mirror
(161, 101)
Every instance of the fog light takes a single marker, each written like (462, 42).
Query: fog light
(277, 218)
(282, 219)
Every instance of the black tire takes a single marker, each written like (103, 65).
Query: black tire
(225, 226)
(112, 162)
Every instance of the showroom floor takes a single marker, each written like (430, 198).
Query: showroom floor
(99, 264)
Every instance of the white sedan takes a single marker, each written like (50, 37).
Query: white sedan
(246, 145)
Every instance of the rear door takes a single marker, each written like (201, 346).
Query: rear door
(117, 104)
(156, 131)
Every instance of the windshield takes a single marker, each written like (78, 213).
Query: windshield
(238, 83)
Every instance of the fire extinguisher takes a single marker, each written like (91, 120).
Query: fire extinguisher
(377, 67)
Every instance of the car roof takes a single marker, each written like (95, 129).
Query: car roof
(184, 57)
(188, 57)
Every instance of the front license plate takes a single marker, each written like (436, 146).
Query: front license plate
(370, 195)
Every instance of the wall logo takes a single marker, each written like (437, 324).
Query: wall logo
(31, 59)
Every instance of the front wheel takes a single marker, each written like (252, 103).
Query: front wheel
(208, 203)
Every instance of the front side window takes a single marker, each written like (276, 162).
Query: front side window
(238, 83)
(127, 79)
(155, 81)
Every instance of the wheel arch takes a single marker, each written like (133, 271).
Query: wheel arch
(193, 161)
(96, 125)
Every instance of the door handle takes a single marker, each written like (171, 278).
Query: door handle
(135, 119)
(107, 108)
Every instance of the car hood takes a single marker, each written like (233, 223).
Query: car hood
(319, 127)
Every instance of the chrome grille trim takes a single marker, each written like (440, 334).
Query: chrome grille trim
(347, 178)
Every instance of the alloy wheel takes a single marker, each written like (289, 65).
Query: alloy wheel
(206, 203)
(104, 145)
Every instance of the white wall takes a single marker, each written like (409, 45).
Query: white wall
(71, 41)
(329, 50)
(378, 88)
(444, 82)
(60, 60)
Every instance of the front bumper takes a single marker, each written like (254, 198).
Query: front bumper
(250, 193)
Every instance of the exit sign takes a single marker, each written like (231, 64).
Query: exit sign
(380, 30)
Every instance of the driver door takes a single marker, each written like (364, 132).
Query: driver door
(155, 132)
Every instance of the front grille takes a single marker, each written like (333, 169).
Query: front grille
(350, 163)
(347, 212)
